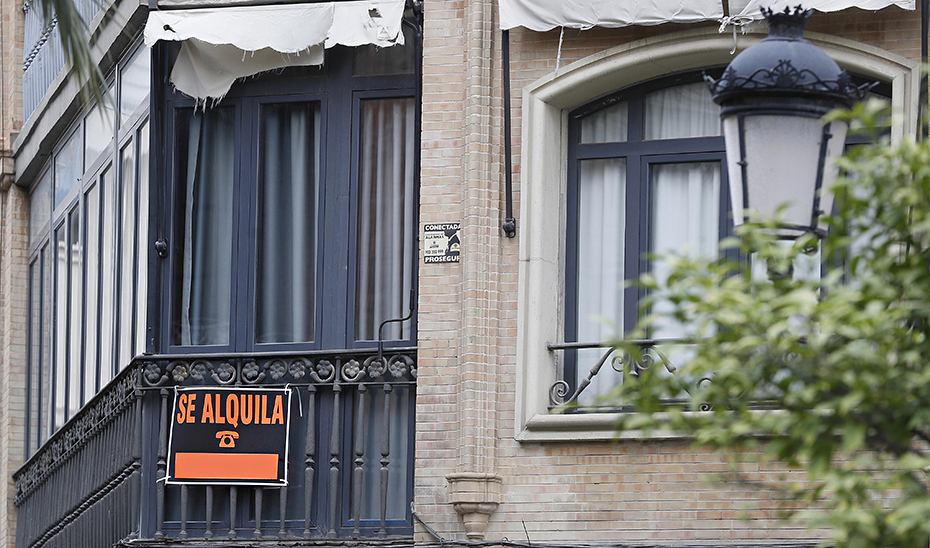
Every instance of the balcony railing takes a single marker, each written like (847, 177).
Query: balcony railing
(571, 390)
(100, 479)
(43, 55)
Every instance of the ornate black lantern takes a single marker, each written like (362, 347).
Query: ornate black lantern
(773, 96)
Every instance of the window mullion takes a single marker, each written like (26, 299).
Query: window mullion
(246, 192)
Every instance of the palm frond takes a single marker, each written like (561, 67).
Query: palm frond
(76, 44)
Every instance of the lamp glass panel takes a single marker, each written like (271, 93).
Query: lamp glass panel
(782, 154)
(835, 147)
(734, 170)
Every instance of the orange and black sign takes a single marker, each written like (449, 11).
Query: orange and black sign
(232, 436)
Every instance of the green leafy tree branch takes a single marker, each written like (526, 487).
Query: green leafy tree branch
(828, 376)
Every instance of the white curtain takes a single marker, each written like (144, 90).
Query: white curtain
(600, 270)
(386, 216)
(206, 276)
(683, 216)
(609, 125)
(681, 112)
(685, 220)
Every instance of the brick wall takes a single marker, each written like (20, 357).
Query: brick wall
(13, 282)
(11, 70)
(13, 248)
(630, 491)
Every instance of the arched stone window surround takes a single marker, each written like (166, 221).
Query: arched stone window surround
(546, 104)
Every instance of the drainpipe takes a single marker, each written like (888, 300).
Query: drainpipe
(510, 223)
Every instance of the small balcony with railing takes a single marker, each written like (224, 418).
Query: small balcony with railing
(100, 480)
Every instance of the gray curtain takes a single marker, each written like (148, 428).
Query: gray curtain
(206, 273)
(286, 266)
(386, 217)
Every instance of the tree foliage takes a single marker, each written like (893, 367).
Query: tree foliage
(829, 376)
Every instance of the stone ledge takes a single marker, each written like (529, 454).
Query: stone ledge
(475, 496)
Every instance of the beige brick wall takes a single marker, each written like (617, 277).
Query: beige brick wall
(13, 282)
(11, 71)
(631, 491)
(13, 249)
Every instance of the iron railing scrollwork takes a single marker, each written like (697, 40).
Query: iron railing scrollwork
(66, 488)
(565, 392)
(355, 406)
(347, 382)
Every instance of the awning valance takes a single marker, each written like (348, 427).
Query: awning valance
(753, 9)
(543, 15)
(220, 45)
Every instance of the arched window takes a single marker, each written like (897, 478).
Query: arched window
(564, 159)
(646, 175)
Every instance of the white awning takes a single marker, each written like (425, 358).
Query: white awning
(223, 44)
(753, 9)
(543, 15)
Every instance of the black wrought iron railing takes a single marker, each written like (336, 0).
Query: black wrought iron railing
(571, 389)
(101, 479)
(82, 487)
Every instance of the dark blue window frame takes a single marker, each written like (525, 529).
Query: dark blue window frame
(640, 156)
(339, 94)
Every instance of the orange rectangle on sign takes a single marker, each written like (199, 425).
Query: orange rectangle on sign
(226, 466)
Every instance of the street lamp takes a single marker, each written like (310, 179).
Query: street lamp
(773, 97)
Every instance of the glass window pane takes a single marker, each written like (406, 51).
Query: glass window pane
(202, 284)
(46, 372)
(386, 217)
(134, 83)
(600, 269)
(127, 255)
(76, 257)
(142, 247)
(34, 366)
(91, 317)
(684, 218)
(609, 125)
(40, 206)
(98, 126)
(61, 323)
(285, 293)
(107, 364)
(681, 111)
(68, 166)
(372, 60)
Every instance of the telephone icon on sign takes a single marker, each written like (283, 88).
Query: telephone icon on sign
(227, 438)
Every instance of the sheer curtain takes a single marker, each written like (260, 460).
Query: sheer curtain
(683, 214)
(685, 219)
(203, 314)
(609, 125)
(681, 112)
(600, 274)
(386, 216)
(286, 269)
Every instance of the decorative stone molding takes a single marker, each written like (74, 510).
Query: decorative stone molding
(475, 496)
(543, 180)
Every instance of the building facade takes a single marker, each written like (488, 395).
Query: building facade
(312, 200)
